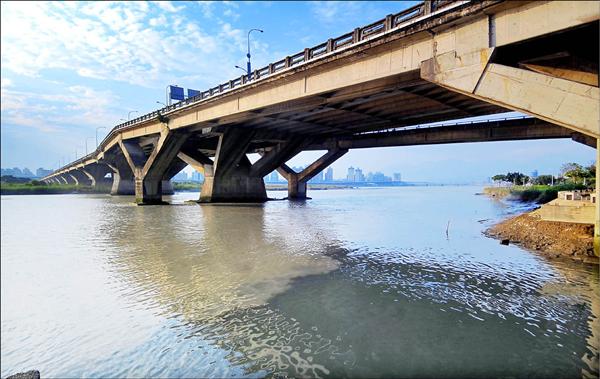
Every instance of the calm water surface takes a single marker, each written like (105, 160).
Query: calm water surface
(353, 283)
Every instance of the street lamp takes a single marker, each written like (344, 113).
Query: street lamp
(129, 114)
(241, 68)
(98, 128)
(249, 69)
(167, 93)
(161, 103)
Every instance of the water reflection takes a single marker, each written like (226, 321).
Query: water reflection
(353, 283)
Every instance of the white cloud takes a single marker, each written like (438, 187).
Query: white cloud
(80, 106)
(127, 42)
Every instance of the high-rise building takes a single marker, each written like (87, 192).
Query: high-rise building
(350, 175)
(329, 174)
(397, 177)
(358, 175)
(180, 177)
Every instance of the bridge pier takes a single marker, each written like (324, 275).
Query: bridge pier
(96, 173)
(231, 178)
(81, 178)
(149, 171)
(297, 182)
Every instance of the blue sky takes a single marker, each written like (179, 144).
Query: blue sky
(71, 67)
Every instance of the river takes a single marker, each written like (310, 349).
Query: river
(378, 282)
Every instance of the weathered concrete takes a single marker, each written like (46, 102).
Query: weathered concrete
(149, 171)
(81, 178)
(567, 103)
(231, 178)
(578, 212)
(297, 182)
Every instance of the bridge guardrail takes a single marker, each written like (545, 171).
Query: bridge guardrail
(398, 21)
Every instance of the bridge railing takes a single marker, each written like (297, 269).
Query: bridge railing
(398, 21)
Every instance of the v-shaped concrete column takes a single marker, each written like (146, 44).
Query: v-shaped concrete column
(149, 172)
(230, 177)
(297, 181)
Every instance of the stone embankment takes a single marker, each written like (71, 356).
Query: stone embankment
(552, 239)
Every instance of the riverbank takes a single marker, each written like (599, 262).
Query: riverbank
(539, 194)
(549, 238)
(42, 189)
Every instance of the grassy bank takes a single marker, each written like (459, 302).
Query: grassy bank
(38, 188)
(540, 194)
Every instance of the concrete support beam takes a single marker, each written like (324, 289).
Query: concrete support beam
(149, 172)
(501, 130)
(230, 178)
(96, 173)
(81, 177)
(297, 182)
(122, 176)
(277, 155)
(567, 103)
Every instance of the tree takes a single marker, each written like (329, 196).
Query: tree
(576, 172)
(517, 178)
(499, 178)
(544, 180)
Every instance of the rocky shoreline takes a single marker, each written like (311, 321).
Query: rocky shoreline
(549, 238)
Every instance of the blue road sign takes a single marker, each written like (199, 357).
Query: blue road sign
(192, 92)
(176, 93)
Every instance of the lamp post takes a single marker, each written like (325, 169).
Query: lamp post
(249, 66)
(161, 103)
(129, 114)
(168, 98)
(98, 128)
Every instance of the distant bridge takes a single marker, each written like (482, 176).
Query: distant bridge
(436, 61)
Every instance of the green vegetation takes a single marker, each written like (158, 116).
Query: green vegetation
(186, 186)
(19, 186)
(570, 173)
(539, 194)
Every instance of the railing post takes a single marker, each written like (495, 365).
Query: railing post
(356, 35)
(270, 68)
(230, 84)
(306, 54)
(329, 45)
(389, 19)
(288, 61)
(427, 7)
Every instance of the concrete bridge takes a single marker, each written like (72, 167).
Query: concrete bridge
(436, 61)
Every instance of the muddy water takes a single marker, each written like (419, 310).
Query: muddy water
(352, 283)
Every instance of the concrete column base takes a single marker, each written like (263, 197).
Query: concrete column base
(167, 187)
(233, 189)
(296, 189)
(150, 191)
(122, 186)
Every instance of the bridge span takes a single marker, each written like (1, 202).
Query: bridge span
(436, 61)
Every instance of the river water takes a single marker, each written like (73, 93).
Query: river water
(395, 282)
